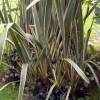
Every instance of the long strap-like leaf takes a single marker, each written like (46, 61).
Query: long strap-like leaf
(32, 4)
(3, 87)
(68, 93)
(3, 37)
(78, 69)
(22, 80)
(94, 74)
(50, 91)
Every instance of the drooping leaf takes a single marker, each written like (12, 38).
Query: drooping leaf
(78, 69)
(95, 64)
(68, 93)
(50, 91)
(8, 40)
(3, 37)
(22, 80)
(3, 87)
(94, 74)
(20, 46)
(18, 30)
(32, 4)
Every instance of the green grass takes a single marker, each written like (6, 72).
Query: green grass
(9, 93)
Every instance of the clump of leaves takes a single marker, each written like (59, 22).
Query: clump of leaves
(56, 36)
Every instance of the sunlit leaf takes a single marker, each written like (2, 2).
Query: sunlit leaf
(3, 37)
(32, 4)
(89, 12)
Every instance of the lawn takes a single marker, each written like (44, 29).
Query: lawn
(9, 93)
